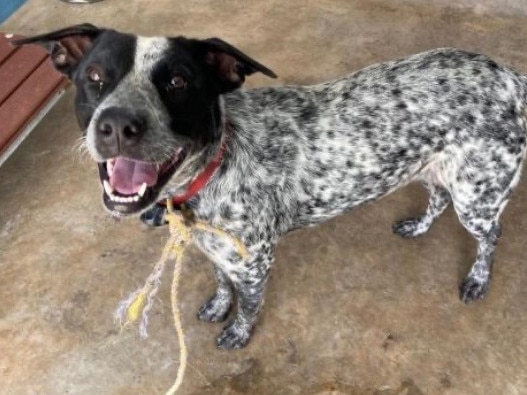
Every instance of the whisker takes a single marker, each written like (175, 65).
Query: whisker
(80, 148)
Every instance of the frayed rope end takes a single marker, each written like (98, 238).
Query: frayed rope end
(135, 308)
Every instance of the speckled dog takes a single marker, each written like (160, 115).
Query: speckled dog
(155, 112)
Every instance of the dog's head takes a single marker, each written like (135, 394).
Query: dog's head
(148, 106)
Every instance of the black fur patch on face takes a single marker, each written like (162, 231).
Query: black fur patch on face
(112, 54)
(192, 104)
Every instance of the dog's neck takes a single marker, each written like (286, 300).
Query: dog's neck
(202, 179)
(239, 132)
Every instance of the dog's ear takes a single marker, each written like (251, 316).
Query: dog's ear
(229, 63)
(66, 46)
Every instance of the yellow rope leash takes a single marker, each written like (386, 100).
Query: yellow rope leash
(182, 226)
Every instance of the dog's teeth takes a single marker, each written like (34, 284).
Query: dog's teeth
(124, 199)
(142, 190)
(108, 188)
(109, 167)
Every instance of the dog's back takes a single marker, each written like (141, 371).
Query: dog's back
(447, 116)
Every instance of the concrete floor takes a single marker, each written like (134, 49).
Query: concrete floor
(351, 308)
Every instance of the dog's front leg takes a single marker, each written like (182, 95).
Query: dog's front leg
(249, 286)
(155, 215)
(218, 307)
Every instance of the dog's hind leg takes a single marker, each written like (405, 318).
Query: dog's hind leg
(480, 192)
(439, 200)
(486, 232)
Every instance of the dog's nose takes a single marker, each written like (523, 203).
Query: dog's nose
(120, 124)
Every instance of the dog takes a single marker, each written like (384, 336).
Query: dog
(159, 113)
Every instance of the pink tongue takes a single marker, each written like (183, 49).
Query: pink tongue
(128, 175)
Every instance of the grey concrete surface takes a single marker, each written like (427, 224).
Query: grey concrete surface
(350, 308)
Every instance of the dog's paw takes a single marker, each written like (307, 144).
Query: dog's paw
(154, 216)
(216, 309)
(411, 227)
(472, 289)
(234, 336)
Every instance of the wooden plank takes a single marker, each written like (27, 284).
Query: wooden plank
(17, 67)
(5, 48)
(19, 137)
(23, 104)
(29, 88)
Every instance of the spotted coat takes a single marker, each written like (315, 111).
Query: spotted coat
(295, 155)
(298, 155)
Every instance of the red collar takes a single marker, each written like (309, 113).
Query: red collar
(202, 179)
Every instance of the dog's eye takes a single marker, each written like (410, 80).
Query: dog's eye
(178, 82)
(94, 74)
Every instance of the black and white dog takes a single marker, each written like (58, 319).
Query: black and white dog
(156, 111)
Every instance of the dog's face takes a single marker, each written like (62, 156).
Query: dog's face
(148, 106)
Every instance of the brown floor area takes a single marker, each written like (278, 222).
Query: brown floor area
(350, 308)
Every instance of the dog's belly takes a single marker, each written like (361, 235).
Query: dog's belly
(354, 168)
(326, 197)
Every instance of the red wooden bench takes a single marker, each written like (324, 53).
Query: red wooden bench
(29, 87)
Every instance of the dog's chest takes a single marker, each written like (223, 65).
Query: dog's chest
(228, 225)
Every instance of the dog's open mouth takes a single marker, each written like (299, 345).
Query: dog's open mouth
(132, 185)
